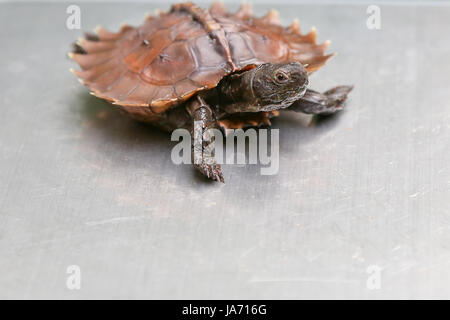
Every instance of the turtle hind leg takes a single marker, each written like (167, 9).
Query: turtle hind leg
(325, 103)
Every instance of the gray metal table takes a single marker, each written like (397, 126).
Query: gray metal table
(82, 185)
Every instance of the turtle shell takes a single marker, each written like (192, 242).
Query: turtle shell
(171, 57)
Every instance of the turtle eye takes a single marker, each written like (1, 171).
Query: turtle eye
(281, 77)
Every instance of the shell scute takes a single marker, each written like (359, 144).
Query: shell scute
(164, 94)
(185, 88)
(120, 90)
(147, 50)
(207, 53)
(170, 65)
(188, 29)
(105, 82)
(267, 47)
(142, 92)
(208, 78)
(241, 51)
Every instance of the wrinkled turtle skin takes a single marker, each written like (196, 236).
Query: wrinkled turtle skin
(191, 64)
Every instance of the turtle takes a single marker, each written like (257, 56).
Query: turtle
(224, 70)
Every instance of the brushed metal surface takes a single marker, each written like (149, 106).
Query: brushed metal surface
(82, 185)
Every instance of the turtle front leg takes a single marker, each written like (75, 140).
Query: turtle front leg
(325, 103)
(203, 119)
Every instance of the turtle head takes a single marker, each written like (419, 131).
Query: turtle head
(277, 86)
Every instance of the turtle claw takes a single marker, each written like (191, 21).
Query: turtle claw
(336, 97)
(211, 171)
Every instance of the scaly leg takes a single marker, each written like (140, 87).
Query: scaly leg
(203, 119)
(325, 103)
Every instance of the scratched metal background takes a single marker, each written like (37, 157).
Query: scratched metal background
(82, 185)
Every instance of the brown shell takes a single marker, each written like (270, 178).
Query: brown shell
(171, 57)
